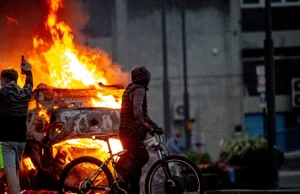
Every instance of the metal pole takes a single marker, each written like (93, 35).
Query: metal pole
(264, 112)
(185, 94)
(270, 83)
(166, 90)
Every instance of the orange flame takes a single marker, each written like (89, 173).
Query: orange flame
(92, 147)
(28, 163)
(69, 65)
(43, 113)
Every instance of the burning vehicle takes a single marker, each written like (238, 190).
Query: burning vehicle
(77, 95)
(61, 124)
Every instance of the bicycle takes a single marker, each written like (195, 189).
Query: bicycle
(169, 179)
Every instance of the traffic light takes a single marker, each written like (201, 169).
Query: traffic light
(296, 92)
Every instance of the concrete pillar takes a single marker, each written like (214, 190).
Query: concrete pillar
(119, 40)
(236, 66)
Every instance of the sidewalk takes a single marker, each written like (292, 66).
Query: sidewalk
(292, 155)
(289, 173)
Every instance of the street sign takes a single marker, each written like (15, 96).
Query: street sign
(296, 92)
(260, 70)
(261, 79)
(262, 100)
(261, 83)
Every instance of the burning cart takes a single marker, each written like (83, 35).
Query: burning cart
(61, 124)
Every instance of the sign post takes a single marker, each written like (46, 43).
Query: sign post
(261, 88)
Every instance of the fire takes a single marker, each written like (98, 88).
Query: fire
(92, 147)
(106, 101)
(69, 65)
(29, 164)
(43, 113)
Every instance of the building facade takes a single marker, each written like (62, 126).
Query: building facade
(286, 31)
(224, 46)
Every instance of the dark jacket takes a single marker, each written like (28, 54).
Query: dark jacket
(13, 110)
(134, 106)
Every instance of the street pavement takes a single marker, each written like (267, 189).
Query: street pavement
(289, 174)
(289, 178)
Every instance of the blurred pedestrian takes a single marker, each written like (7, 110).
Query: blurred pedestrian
(172, 146)
(223, 165)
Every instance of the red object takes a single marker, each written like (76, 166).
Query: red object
(146, 125)
(38, 192)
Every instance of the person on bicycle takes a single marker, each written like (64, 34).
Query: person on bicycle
(135, 123)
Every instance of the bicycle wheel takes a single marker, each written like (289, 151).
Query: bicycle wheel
(74, 177)
(185, 174)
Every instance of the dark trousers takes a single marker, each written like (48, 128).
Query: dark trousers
(139, 156)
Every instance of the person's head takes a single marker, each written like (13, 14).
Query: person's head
(177, 137)
(223, 155)
(141, 76)
(9, 75)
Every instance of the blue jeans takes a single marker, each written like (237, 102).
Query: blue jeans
(231, 175)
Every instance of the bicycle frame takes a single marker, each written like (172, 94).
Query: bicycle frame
(107, 161)
(153, 142)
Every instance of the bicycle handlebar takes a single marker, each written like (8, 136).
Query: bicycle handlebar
(155, 131)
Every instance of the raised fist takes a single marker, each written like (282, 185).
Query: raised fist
(26, 67)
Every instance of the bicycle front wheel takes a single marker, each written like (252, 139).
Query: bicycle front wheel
(83, 174)
(186, 177)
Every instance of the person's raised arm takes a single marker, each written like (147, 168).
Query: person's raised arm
(26, 69)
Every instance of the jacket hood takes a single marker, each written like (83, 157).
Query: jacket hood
(141, 76)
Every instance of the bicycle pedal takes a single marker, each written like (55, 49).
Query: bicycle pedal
(120, 187)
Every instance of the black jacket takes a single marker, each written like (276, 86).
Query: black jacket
(13, 110)
(134, 106)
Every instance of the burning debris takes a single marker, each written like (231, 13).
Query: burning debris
(61, 126)
(75, 108)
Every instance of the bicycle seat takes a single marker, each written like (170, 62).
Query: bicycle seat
(105, 137)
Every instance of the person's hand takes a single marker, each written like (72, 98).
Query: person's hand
(158, 130)
(156, 127)
(26, 67)
(144, 126)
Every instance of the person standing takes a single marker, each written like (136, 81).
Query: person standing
(13, 115)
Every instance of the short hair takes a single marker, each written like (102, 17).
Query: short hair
(10, 74)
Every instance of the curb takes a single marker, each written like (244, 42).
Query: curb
(252, 191)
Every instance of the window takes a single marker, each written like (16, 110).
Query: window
(275, 3)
